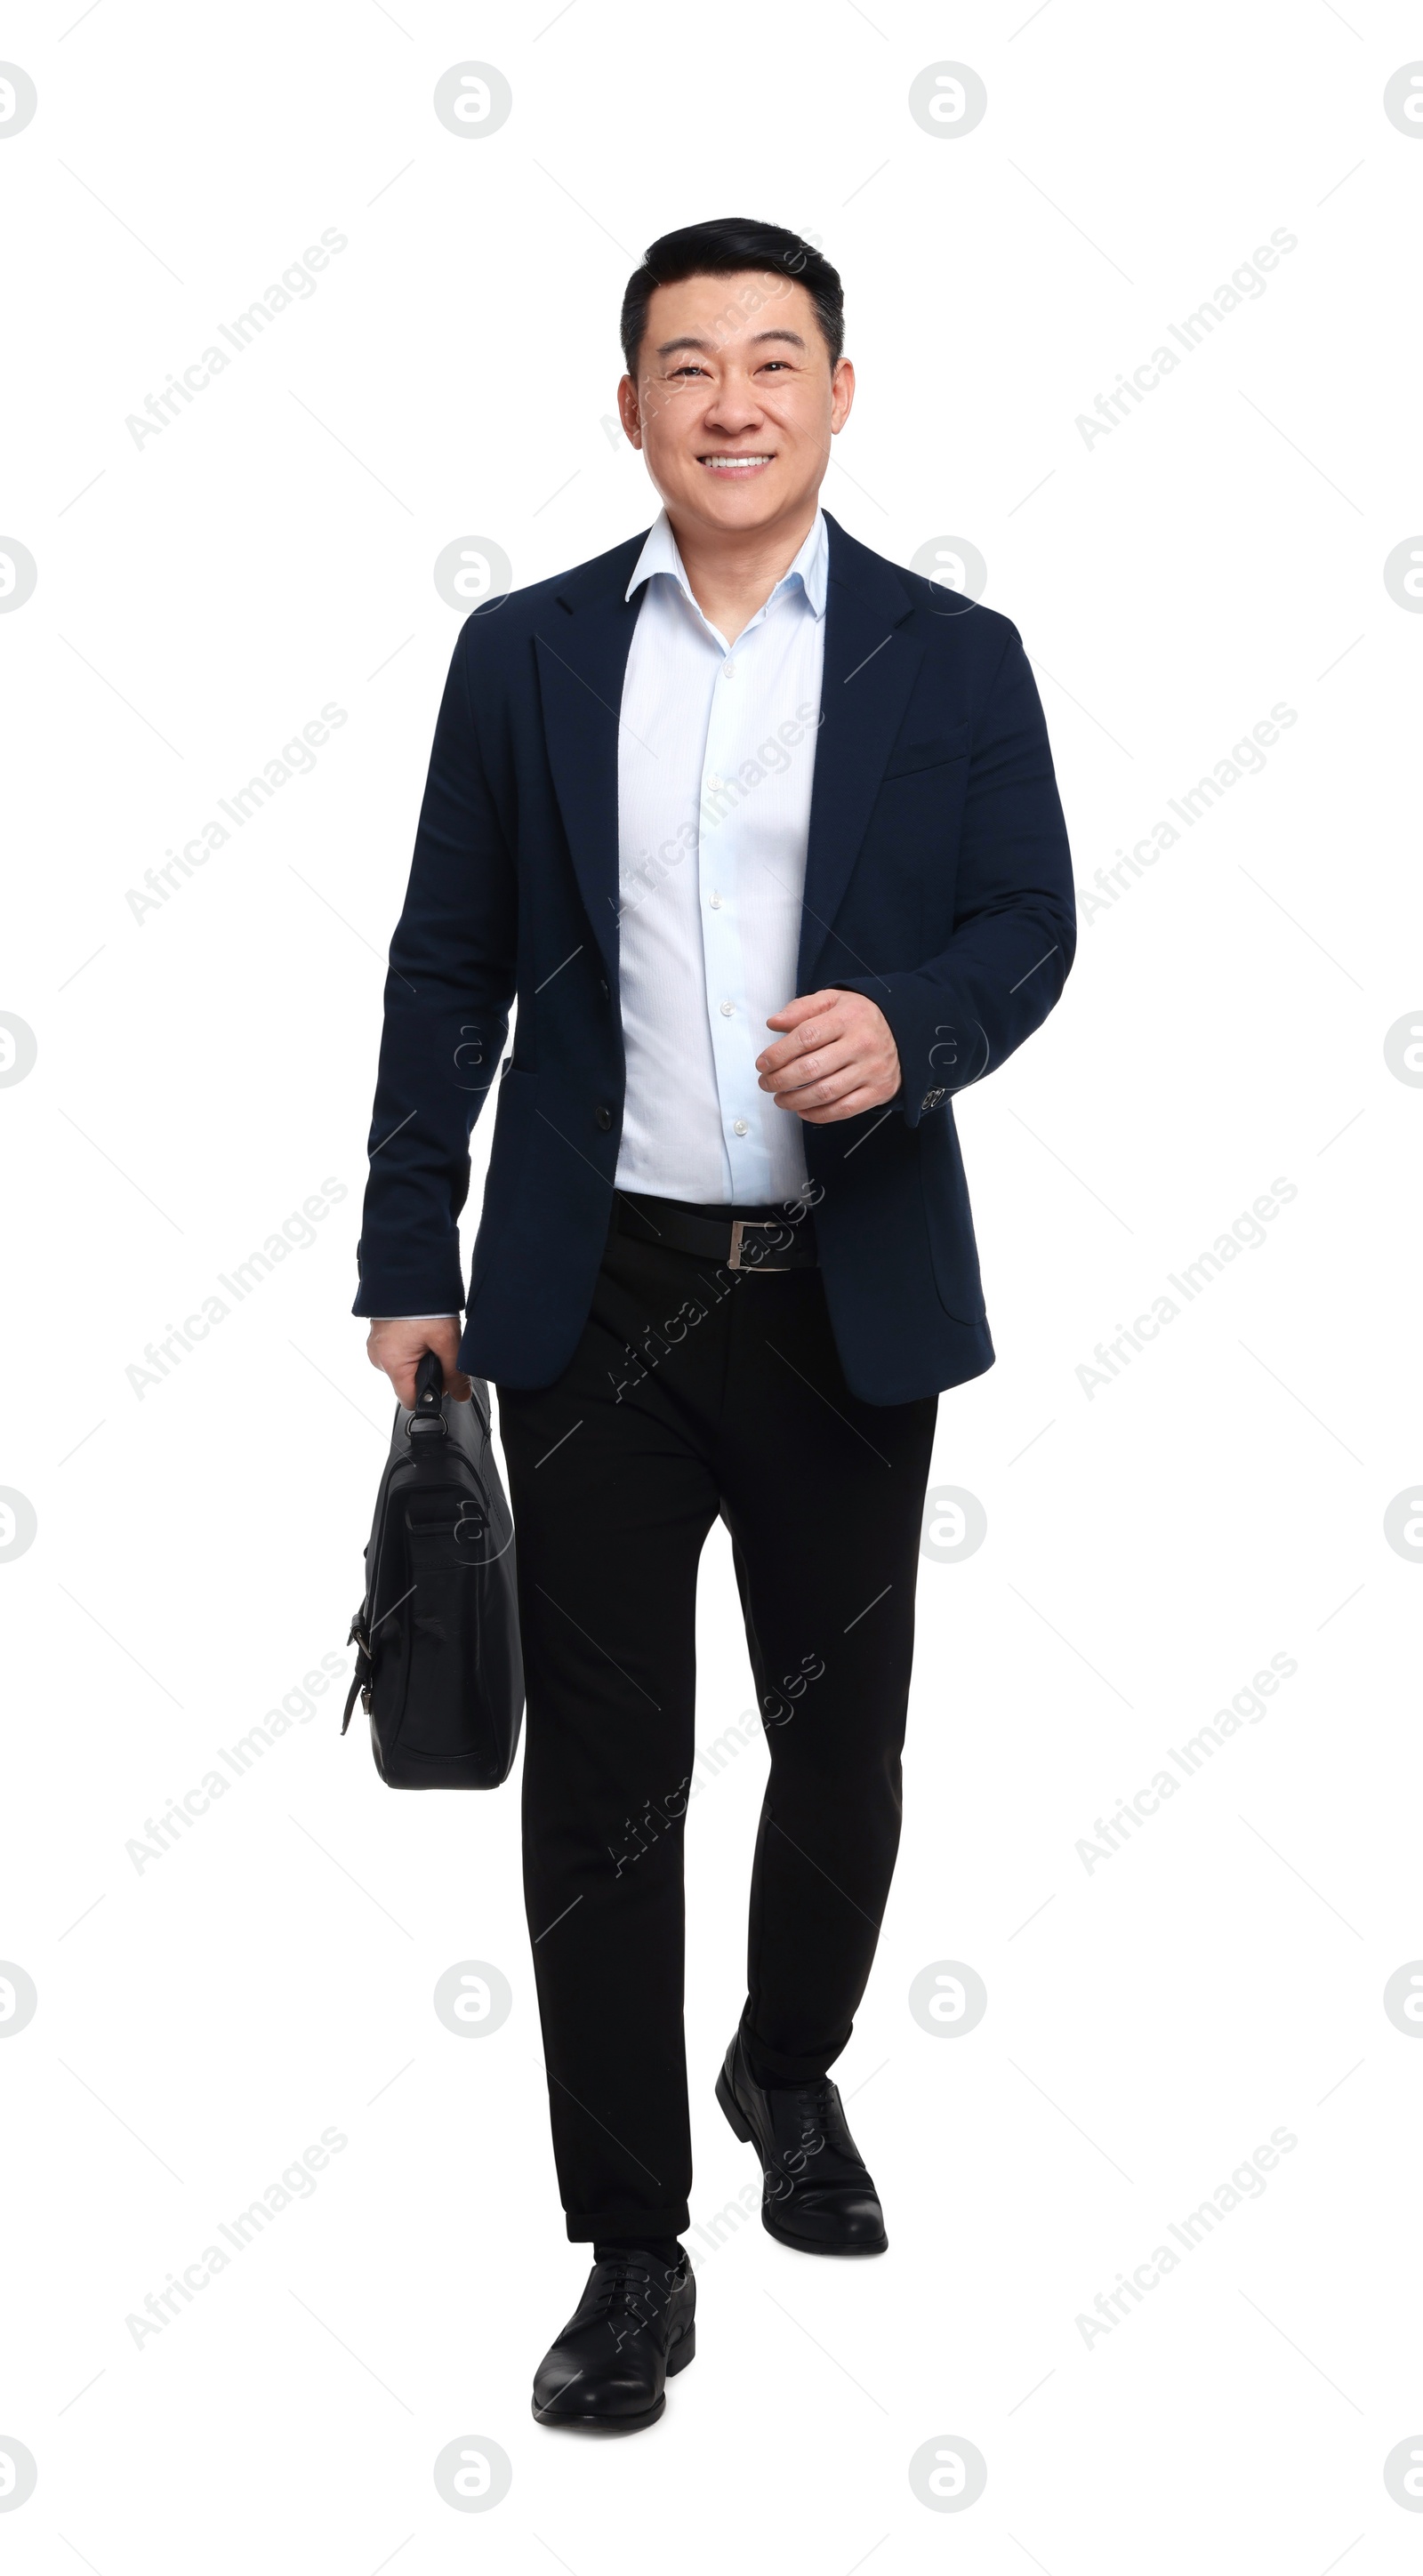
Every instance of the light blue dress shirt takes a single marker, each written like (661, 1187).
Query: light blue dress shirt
(716, 751)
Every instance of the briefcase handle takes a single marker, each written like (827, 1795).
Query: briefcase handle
(429, 1389)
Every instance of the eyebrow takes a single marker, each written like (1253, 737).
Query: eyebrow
(688, 341)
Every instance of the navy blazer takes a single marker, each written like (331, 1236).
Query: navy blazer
(937, 881)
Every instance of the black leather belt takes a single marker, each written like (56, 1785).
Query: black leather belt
(739, 1239)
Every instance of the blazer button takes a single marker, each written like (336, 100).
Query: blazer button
(603, 989)
(602, 1117)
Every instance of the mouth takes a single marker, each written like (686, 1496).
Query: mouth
(736, 468)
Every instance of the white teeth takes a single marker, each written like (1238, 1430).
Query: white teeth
(720, 464)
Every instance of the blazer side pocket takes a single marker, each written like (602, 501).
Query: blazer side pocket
(948, 1220)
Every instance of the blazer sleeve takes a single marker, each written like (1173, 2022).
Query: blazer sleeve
(447, 996)
(960, 1014)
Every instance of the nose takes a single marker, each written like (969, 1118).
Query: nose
(734, 407)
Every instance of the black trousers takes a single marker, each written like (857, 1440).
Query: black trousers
(698, 1390)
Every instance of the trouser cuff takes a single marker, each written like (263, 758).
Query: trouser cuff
(773, 2061)
(629, 2226)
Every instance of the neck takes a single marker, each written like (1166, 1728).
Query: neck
(732, 573)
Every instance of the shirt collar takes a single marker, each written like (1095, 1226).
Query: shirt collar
(810, 568)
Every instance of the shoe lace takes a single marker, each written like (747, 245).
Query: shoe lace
(622, 2289)
(626, 2300)
(812, 2103)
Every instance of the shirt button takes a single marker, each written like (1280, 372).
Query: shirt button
(715, 784)
(728, 669)
(739, 1127)
(726, 1009)
(715, 902)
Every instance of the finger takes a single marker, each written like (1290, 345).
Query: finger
(850, 1107)
(807, 1069)
(794, 1095)
(792, 1013)
(830, 1088)
(821, 1030)
(399, 1374)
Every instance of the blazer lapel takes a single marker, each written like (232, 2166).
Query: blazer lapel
(582, 642)
(870, 665)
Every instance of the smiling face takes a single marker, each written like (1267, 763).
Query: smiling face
(735, 402)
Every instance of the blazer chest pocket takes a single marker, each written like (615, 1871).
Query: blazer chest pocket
(931, 752)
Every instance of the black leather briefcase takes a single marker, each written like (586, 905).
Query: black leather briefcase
(438, 1665)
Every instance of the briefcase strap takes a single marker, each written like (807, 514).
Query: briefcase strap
(361, 1677)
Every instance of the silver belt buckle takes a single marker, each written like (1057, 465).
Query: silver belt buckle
(758, 1225)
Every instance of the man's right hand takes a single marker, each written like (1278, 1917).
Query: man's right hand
(399, 1347)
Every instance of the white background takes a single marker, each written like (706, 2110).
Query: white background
(1150, 1547)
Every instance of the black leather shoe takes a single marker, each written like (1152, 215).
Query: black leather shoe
(632, 2331)
(818, 2196)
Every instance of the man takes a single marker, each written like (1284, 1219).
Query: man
(761, 834)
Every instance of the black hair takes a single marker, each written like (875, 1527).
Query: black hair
(724, 248)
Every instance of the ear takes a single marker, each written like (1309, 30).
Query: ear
(628, 411)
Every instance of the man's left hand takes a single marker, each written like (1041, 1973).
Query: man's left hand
(838, 1058)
